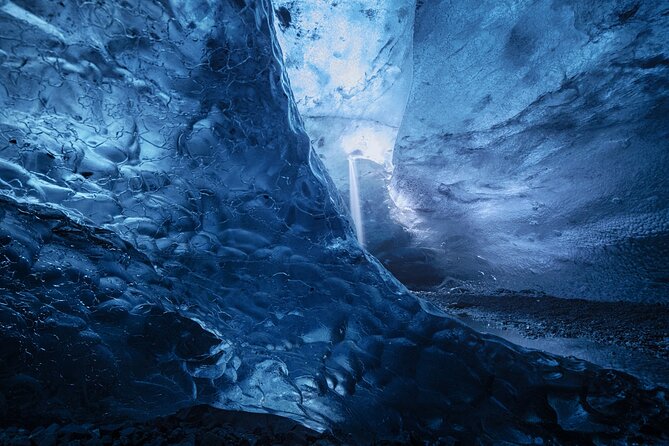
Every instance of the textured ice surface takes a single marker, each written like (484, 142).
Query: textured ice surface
(534, 151)
(168, 239)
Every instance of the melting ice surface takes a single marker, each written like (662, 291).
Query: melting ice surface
(168, 238)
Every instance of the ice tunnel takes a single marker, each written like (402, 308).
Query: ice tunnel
(533, 152)
(170, 239)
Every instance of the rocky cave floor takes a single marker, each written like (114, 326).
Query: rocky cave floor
(195, 426)
(628, 336)
(199, 425)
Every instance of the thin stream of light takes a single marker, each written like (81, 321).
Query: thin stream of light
(356, 211)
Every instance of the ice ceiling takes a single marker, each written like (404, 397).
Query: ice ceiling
(169, 238)
(533, 151)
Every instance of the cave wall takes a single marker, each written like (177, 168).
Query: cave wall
(533, 152)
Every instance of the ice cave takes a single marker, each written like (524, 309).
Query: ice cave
(341, 222)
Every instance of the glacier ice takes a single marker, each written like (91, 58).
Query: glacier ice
(533, 153)
(168, 238)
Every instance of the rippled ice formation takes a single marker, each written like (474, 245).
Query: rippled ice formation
(167, 238)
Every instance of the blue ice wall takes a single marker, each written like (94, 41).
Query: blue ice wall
(534, 150)
(168, 239)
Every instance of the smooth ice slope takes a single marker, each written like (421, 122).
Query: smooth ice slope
(167, 239)
(534, 150)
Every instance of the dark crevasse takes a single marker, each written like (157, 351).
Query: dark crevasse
(167, 239)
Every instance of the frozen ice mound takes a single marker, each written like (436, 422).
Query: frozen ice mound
(168, 239)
